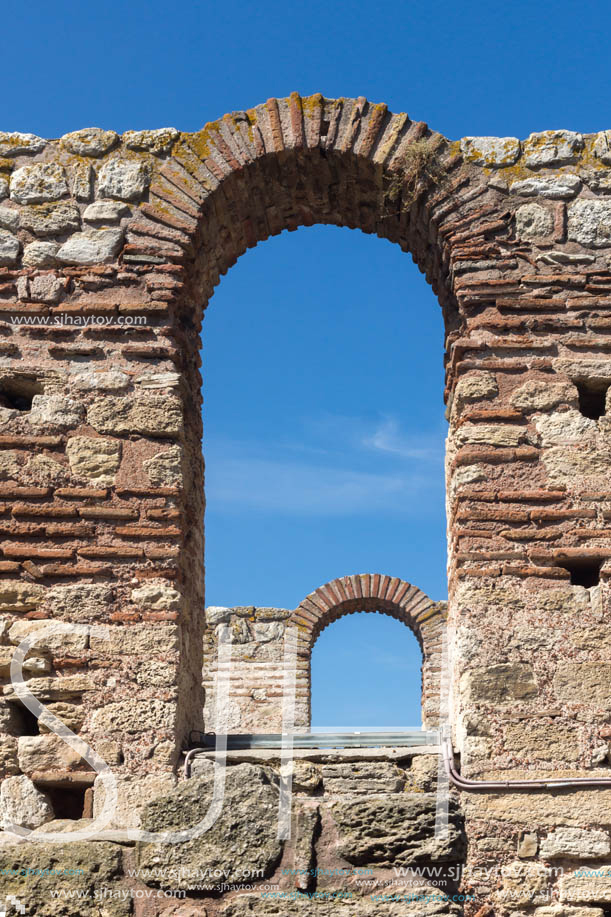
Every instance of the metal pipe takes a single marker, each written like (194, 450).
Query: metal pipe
(464, 783)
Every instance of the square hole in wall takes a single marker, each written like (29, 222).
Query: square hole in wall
(68, 800)
(22, 721)
(583, 572)
(17, 391)
(592, 397)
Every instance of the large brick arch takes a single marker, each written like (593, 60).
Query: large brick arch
(102, 471)
(387, 595)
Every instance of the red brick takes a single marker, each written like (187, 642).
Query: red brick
(31, 550)
(124, 550)
(82, 492)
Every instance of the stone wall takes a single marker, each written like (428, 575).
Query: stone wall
(110, 248)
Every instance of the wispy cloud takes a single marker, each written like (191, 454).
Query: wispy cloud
(340, 467)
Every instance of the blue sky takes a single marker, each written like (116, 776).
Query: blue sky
(323, 417)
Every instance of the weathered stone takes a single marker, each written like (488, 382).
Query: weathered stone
(96, 459)
(528, 845)
(71, 715)
(572, 809)
(9, 248)
(55, 689)
(44, 181)
(394, 830)
(499, 684)
(560, 257)
(133, 793)
(475, 386)
(562, 188)
(537, 395)
(22, 804)
(153, 416)
(18, 595)
(415, 900)
(589, 223)
(92, 246)
(602, 147)
(525, 885)
(575, 842)
(154, 141)
(16, 143)
(45, 288)
(584, 683)
(565, 427)
(138, 640)
(533, 221)
(42, 469)
(363, 777)
(527, 740)
(46, 753)
(80, 178)
(306, 776)
(217, 614)
(264, 633)
(55, 413)
(9, 465)
(165, 467)
(90, 141)
(50, 219)
(80, 600)
(490, 151)
(9, 218)
(157, 380)
(157, 595)
(422, 774)
(489, 434)
(54, 643)
(586, 886)
(248, 817)
(40, 254)
(123, 179)
(8, 749)
(90, 379)
(105, 212)
(4, 188)
(552, 148)
(133, 716)
(80, 867)
(576, 466)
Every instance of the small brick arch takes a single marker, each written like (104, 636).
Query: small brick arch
(378, 593)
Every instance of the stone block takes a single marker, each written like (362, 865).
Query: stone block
(94, 458)
(533, 222)
(575, 842)
(562, 188)
(50, 220)
(406, 822)
(539, 395)
(80, 601)
(16, 143)
(71, 715)
(489, 434)
(544, 741)
(587, 885)
(555, 148)
(123, 179)
(55, 413)
(21, 803)
(249, 817)
(46, 753)
(9, 248)
(44, 181)
(362, 777)
(584, 683)
(589, 223)
(133, 793)
(138, 640)
(491, 151)
(565, 427)
(93, 246)
(91, 141)
(153, 416)
(157, 595)
(164, 468)
(498, 684)
(18, 595)
(133, 716)
(154, 141)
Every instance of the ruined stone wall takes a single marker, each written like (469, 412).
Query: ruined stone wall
(102, 473)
